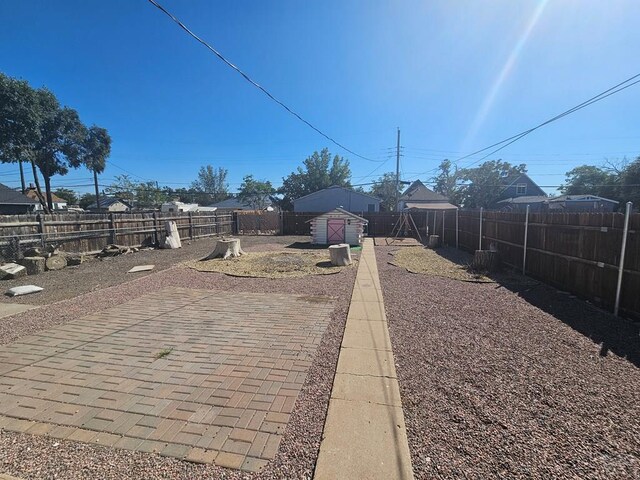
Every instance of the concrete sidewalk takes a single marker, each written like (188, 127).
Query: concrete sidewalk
(364, 434)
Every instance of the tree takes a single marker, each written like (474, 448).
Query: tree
(97, 147)
(483, 184)
(211, 185)
(255, 193)
(124, 188)
(385, 189)
(630, 183)
(446, 182)
(589, 179)
(148, 195)
(86, 200)
(320, 171)
(66, 194)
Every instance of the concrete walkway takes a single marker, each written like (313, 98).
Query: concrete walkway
(364, 434)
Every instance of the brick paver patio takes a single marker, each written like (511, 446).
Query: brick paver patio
(223, 393)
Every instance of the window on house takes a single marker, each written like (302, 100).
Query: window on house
(371, 207)
(521, 189)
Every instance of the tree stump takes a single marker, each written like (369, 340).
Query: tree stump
(225, 249)
(172, 238)
(56, 262)
(34, 265)
(486, 261)
(434, 241)
(340, 254)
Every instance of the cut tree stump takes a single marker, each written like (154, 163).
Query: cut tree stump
(486, 261)
(226, 248)
(340, 254)
(172, 238)
(56, 262)
(434, 241)
(34, 265)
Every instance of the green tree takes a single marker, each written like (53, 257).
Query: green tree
(86, 200)
(69, 195)
(385, 189)
(317, 172)
(97, 147)
(483, 184)
(123, 188)
(211, 185)
(255, 193)
(589, 179)
(148, 195)
(446, 182)
(630, 183)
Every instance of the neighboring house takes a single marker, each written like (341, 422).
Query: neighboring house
(537, 203)
(13, 202)
(337, 197)
(109, 205)
(179, 207)
(516, 186)
(581, 203)
(337, 226)
(419, 197)
(234, 204)
(58, 203)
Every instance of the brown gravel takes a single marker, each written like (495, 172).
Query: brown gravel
(502, 381)
(36, 457)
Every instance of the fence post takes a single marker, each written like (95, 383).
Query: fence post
(112, 227)
(40, 220)
(191, 225)
(155, 229)
(480, 248)
(622, 254)
(457, 228)
(215, 222)
(524, 247)
(443, 212)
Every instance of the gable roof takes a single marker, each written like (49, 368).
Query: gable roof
(32, 193)
(513, 179)
(334, 187)
(106, 202)
(344, 212)
(526, 199)
(9, 196)
(235, 203)
(580, 198)
(417, 192)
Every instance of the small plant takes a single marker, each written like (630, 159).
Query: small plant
(163, 353)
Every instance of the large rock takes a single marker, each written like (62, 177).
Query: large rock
(12, 270)
(34, 265)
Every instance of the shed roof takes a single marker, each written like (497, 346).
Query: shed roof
(342, 211)
(430, 206)
(580, 198)
(526, 199)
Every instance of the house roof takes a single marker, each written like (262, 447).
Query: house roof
(106, 202)
(580, 198)
(513, 179)
(342, 211)
(336, 187)
(234, 203)
(429, 206)
(526, 199)
(32, 193)
(9, 196)
(417, 192)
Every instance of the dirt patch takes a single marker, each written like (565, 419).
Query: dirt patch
(396, 242)
(429, 262)
(271, 264)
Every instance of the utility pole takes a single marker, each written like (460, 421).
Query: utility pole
(398, 171)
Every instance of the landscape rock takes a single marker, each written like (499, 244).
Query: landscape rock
(12, 270)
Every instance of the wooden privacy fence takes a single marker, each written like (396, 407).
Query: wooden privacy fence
(92, 232)
(257, 223)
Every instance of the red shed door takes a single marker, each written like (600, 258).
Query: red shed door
(335, 230)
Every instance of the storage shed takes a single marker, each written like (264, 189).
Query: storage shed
(337, 226)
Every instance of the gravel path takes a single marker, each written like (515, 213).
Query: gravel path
(96, 274)
(34, 457)
(512, 383)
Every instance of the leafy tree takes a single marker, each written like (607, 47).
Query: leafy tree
(446, 182)
(97, 147)
(69, 195)
(318, 171)
(385, 189)
(86, 200)
(630, 183)
(124, 188)
(211, 185)
(482, 184)
(589, 179)
(255, 193)
(148, 195)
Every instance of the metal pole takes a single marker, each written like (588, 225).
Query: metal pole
(524, 247)
(457, 230)
(435, 216)
(480, 248)
(622, 252)
(442, 243)
(397, 195)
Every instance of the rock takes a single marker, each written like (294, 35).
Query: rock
(23, 290)
(141, 268)
(56, 262)
(34, 265)
(12, 270)
(340, 254)
(76, 259)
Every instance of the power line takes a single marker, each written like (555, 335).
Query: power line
(254, 83)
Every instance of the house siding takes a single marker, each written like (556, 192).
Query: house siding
(512, 190)
(331, 198)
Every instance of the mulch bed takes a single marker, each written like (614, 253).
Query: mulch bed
(512, 382)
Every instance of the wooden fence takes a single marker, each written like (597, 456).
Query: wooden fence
(92, 232)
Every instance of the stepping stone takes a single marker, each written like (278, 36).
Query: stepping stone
(141, 268)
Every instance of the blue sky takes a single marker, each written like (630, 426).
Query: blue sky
(454, 75)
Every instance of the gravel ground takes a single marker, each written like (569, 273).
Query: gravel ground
(96, 274)
(512, 381)
(36, 457)
(435, 262)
